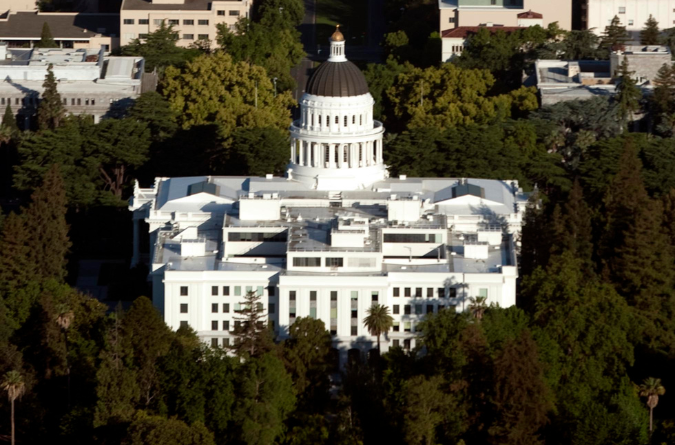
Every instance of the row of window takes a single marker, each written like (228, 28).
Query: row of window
(236, 290)
(337, 120)
(257, 236)
(35, 101)
(440, 292)
(419, 309)
(239, 306)
(413, 238)
(175, 22)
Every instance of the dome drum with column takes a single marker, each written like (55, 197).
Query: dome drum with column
(336, 144)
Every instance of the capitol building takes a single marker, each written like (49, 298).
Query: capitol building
(334, 236)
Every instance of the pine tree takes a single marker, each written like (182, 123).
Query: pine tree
(572, 228)
(615, 36)
(50, 111)
(46, 39)
(663, 98)
(628, 94)
(252, 337)
(46, 222)
(9, 121)
(16, 265)
(522, 398)
(650, 33)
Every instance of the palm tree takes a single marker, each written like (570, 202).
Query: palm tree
(14, 385)
(651, 388)
(378, 321)
(478, 307)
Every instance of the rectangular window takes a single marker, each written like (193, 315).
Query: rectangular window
(183, 308)
(396, 326)
(143, 21)
(214, 342)
(354, 330)
(307, 262)
(374, 296)
(79, 101)
(188, 36)
(214, 325)
(397, 309)
(183, 291)
(419, 309)
(157, 22)
(214, 290)
(226, 308)
(279, 237)
(407, 326)
(291, 295)
(482, 292)
(226, 291)
(412, 238)
(406, 342)
(453, 292)
(291, 309)
(334, 262)
(237, 291)
(406, 292)
(430, 308)
(418, 292)
(430, 292)
(260, 290)
(249, 289)
(397, 291)
(622, 9)
(406, 309)
(188, 22)
(312, 295)
(174, 21)
(214, 308)
(271, 291)
(221, 12)
(441, 292)
(226, 342)
(312, 312)
(234, 13)
(396, 344)
(226, 325)
(128, 21)
(17, 101)
(203, 22)
(451, 20)
(237, 307)
(203, 36)
(630, 23)
(184, 324)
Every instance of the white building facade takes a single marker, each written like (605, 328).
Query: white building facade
(333, 237)
(632, 13)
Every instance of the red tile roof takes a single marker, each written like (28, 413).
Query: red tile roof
(461, 32)
(530, 15)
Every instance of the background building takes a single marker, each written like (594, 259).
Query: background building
(88, 81)
(192, 19)
(332, 238)
(562, 80)
(461, 18)
(597, 14)
(70, 30)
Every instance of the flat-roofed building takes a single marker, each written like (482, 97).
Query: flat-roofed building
(89, 82)
(333, 237)
(193, 20)
(70, 30)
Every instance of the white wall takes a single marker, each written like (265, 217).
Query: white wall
(601, 13)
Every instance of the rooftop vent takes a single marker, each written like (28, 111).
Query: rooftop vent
(203, 187)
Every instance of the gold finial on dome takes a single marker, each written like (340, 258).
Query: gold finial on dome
(337, 35)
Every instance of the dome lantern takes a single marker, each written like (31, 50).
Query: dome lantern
(337, 46)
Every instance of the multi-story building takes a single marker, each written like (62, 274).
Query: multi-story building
(597, 14)
(89, 82)
(563, 80)
(461, 18)
(334, 236)
(193, 20)
(21, 29)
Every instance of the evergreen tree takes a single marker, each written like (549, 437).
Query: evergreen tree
(264, 398)
(522, 398)
(628, 93)
(9, 121)
(46, 39)
(425, 409)
(146, 334)
(46, 222)
(153, 109)
(572, 230)
(615, 36)
(650, 34)
(157, 430)
(117, 390)
(159, 49)
(50, 111)
(307, 354)
(16, 261)
(252, 337)
(664, 93)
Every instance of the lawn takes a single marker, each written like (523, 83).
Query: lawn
(351, 15)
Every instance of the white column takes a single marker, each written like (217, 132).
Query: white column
(331, 155)
(301, 153)
(293, 150)
(379, 151)
(317, 154)
(340, 155)
(369, 153)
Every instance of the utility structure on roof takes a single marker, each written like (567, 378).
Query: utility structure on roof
(333, 237)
